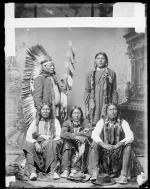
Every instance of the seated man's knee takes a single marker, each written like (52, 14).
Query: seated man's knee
(128, 147)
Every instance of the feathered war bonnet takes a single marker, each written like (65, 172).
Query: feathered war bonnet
(36, 56)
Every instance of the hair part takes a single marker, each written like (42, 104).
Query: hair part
(102, 53)
(50, 108)
(78, 108)
(116, 105)
(105, 55)
(51, 119)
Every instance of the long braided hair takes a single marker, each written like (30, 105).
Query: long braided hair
(118, 119)
(51, 120)
(94, 70)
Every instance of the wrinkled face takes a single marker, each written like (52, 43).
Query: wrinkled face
(48, 67)
(112, 112)
(100, 61)
(76, 115)
(45, 111)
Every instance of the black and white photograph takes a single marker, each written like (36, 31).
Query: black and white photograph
(76, 95)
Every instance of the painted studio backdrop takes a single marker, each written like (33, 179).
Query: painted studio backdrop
(86, 43)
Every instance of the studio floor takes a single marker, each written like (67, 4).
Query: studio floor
(64, 183)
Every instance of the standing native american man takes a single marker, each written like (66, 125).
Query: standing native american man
(40, 84)
(100, 89)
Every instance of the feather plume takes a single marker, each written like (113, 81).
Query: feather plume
(36, 55)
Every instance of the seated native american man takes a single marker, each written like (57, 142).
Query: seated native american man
(111, 149)
(43, 144)
(76, 133)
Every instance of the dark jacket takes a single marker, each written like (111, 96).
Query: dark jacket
(43, 91)
(67, 131)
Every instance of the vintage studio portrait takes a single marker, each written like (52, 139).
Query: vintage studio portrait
(76, 110)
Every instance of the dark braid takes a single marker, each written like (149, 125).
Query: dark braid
(93, 81)
(94, 70)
